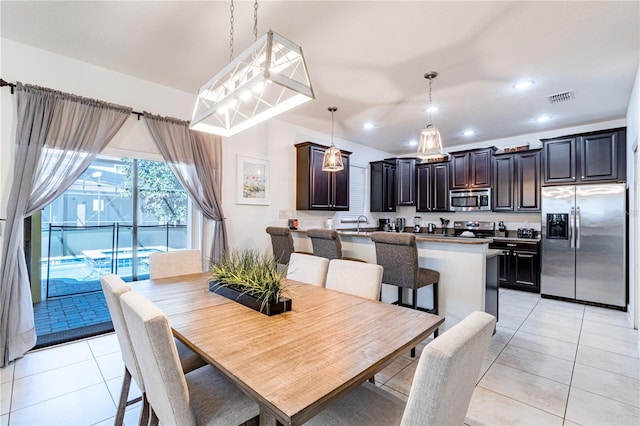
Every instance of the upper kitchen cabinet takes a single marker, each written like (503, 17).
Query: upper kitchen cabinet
(406, 181)
(316, 189)
(516, 182)
(471, 169)
(383, 186)
(585, 158)
(432, 187)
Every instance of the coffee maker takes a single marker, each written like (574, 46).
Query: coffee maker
(400, 224)
(384, 224)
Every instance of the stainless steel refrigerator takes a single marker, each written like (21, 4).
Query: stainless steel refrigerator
(583, 243)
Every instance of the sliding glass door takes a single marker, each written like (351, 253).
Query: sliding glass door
(108, 221)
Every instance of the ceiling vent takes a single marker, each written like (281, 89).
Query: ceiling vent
(561, 97)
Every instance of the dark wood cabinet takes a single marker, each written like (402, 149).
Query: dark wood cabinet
(471, 169)
(406, 181)
(315, 188)
(383, 186)
(585, 158)
(518, 265)
(432, 187)
(516, 182)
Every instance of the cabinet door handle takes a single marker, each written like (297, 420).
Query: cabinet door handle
(511, 245)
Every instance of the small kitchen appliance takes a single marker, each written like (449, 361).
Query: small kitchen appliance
(292, 223)
(444, 222)
(431, 228)
(529, 233)
(416, 224)
(384, 224)
(401, 222)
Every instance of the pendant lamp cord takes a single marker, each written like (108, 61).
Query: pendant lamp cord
(255, 20)
(332, 123)
(231, 9)
(430, 109)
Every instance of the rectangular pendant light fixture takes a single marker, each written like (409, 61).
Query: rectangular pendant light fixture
(268, 78)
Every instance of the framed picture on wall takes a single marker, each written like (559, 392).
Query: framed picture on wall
(253, 181)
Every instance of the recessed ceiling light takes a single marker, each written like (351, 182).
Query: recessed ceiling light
(469, 132)
(542, 119)
(412, 142)
(368, 125)
(432, 108)
(523, 84)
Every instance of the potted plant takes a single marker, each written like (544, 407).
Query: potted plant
(252, 279)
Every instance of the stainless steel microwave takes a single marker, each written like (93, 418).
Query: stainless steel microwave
(469, 200)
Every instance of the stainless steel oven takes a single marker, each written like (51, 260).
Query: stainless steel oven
(468, 200)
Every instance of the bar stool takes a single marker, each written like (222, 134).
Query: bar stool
(282, 243)
(397, 253)
(326, 243)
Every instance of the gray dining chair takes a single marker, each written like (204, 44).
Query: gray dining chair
(113, 288)
(357, 278)
(201, 397)
(308, 269)
(442, 387)
(174, 263)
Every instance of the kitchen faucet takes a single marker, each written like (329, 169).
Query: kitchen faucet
(366, 220)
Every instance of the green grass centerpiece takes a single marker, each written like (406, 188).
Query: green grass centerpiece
(251, 279)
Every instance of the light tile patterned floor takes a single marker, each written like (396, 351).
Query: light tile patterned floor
(550, 363)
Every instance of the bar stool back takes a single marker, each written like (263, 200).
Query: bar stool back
(325, 243)
(282, 243)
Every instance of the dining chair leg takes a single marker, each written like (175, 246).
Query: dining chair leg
(372, 380)
(124, 394)
(414, 305)
(144, 411)
(153, 421)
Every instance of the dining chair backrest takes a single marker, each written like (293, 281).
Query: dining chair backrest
(447, 373)
(113, 288)
(166, 385)
(174, 263)
(325, 243)
(398, 255)
(308, 269)
(281, 243)
(357, 278)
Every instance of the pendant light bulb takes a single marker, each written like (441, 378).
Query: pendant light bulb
(332, 160)
(430, 146)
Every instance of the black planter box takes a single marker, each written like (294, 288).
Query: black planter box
(273, 308)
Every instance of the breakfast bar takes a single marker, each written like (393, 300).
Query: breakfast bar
(461, 262)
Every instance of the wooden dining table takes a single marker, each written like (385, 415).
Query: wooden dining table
(296, 363)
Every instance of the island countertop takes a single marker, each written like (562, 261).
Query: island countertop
(422, 236)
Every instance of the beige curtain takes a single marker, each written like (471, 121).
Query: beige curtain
(58, 135)
(196, 160)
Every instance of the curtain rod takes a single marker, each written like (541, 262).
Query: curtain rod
(4, 83)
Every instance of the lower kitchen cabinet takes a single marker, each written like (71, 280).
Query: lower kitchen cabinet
(518, 265)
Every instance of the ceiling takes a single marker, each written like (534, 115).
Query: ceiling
(369, 58)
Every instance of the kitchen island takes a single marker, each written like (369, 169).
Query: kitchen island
(460, 261)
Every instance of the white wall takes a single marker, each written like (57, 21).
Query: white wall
(633, 131)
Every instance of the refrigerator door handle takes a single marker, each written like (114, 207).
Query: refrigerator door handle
(578, 227)
(571, 227)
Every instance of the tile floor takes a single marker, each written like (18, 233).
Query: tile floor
(550, 363)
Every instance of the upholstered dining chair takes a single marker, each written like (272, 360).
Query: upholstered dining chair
(398, 255)
(308, 269)
(443, 384)
(113, 287)
(357, 278)
(201, 397)
(174, 263)
(281, 242)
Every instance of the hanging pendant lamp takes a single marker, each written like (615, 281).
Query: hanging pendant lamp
(332, 160)
(430, 141)
(267, 79)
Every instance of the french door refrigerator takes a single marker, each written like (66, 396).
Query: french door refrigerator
(583, 243)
